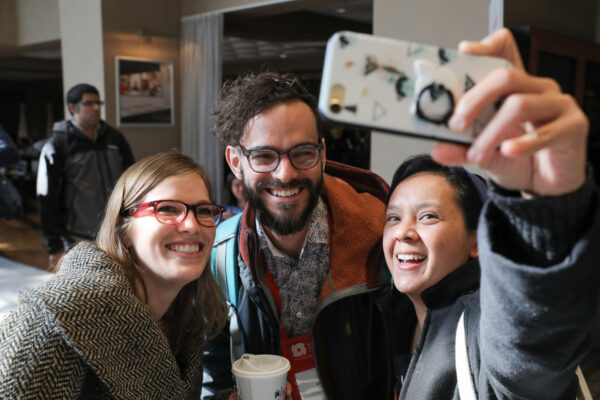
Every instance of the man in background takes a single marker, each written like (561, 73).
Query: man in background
(78, 167)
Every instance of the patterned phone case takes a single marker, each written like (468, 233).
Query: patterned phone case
(400, 87)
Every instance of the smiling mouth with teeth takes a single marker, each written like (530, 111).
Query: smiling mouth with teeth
(185, 248)
(284, 192)
(410, 258)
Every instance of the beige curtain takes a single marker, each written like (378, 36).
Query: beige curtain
(201, 82)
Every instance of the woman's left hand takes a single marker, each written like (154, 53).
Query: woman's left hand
(536, 141)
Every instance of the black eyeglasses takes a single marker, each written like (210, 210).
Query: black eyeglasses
(302, 156)
(172, 212)
(89, 103)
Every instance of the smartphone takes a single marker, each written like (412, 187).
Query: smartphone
(400, 87)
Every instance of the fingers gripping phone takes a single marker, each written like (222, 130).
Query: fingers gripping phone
(401, 87)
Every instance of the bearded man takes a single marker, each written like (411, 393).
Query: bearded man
(309, 258)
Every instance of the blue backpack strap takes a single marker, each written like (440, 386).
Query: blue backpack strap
(223, 262)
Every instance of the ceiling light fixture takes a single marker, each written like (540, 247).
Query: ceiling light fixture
(343, 8)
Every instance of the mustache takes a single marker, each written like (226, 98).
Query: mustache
(277, 184)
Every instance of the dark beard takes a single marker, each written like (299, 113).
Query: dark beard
(290, 224)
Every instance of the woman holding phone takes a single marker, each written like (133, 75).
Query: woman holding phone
(522, 284)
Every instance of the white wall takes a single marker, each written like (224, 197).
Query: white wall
(26, 22)
(37, 21)
(81, 44)
(437, 22)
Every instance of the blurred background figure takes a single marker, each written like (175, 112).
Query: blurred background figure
(235, 196)
(78, 167)
(10, 200)
(9, 154)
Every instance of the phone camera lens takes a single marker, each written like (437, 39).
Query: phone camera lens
(336, 98)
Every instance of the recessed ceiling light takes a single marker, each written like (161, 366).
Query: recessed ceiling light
(340, 10)
(283, 55)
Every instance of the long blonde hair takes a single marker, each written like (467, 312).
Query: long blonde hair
(200, 298)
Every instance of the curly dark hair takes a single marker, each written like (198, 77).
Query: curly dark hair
(251, 94)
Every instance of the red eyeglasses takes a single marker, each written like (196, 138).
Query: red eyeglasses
(173, 212)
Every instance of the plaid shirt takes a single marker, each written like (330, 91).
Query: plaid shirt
(300, 281)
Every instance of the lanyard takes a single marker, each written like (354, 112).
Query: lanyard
(298, 350)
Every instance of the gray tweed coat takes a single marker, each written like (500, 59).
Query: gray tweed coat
(86, 322)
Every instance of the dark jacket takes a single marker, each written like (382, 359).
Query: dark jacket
(75, 178)
(9, 154)
(10, 200)
(85, 334)
(527, 327)
(356, 213)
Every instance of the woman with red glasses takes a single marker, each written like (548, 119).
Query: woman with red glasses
(126, 317)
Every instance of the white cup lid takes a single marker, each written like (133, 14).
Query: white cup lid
(260, 365)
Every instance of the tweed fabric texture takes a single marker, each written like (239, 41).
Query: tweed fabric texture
(88, 319)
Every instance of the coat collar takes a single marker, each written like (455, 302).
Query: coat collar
(93, 304)
(459, 282)
(356, 220)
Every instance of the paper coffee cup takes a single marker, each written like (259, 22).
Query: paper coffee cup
(261, 376)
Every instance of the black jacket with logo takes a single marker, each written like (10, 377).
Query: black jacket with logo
(75, 178)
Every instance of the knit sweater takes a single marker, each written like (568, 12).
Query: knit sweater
(85, 333)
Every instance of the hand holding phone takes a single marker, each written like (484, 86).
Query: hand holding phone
(536, 142)
(401, 87)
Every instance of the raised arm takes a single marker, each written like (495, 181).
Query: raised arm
(538, 237)
(536, 142)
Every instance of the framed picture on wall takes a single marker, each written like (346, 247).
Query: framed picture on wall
(144, 92)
